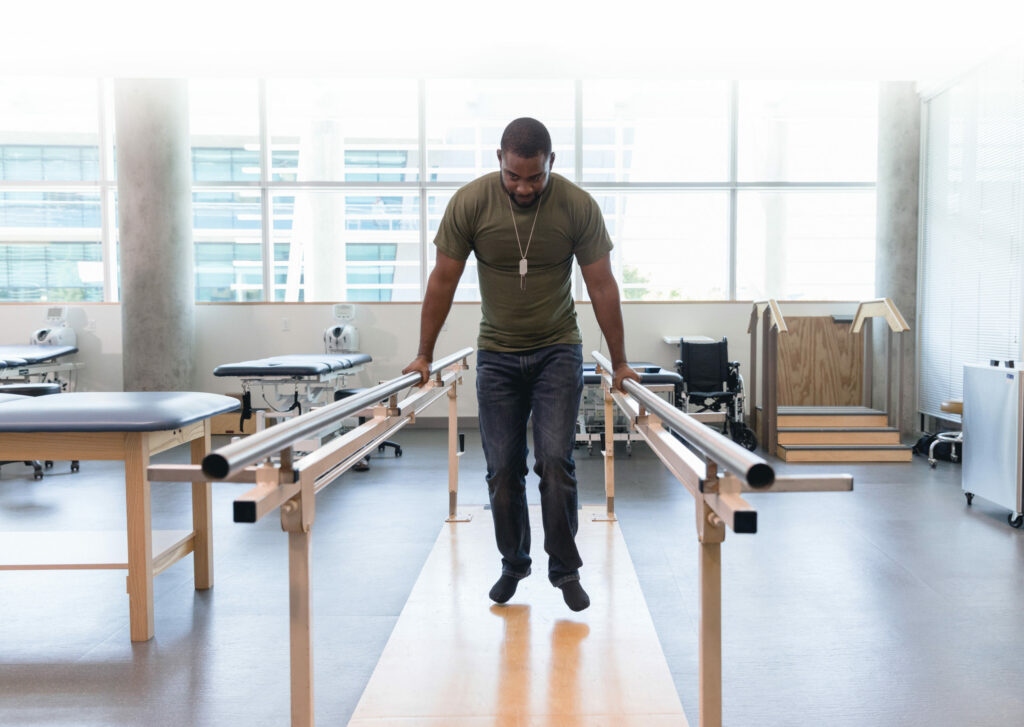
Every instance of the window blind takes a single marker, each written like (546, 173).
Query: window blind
(973, 204)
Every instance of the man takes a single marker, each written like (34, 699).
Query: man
(525, 225)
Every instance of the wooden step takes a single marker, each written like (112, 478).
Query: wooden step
(848, 417)
(838, 436)
(848, 453)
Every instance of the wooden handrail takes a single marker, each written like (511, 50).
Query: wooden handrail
(879, 308)
(777, 319)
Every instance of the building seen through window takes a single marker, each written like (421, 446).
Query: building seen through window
(711, 190)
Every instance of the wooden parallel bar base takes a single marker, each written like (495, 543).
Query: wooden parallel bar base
(457, 659)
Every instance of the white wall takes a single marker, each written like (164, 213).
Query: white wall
(387, 331)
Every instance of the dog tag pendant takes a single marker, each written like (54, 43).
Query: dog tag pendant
(522, 266)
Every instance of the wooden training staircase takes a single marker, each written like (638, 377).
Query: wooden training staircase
(838, 434)
(828, 433)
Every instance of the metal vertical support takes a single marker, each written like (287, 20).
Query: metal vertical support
(266, 202)
(108, 186)
(424, 231)
(867, 331)
(453, 459)
(711, 533)
(734, 115)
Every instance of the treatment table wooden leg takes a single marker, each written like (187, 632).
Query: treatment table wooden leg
(140, 536)
(202, 517)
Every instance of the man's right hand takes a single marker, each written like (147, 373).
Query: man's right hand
(420, 365)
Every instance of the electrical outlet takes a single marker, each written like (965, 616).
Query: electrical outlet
(285, 324)
(91, 325)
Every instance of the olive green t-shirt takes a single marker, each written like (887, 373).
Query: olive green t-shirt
(569, 223)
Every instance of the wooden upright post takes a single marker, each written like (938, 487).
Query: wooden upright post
(711, 533)
(609, 451)
(300, 608)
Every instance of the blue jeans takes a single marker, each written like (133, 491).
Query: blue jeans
(546, 382)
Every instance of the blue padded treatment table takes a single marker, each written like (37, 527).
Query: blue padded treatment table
(650, 374)
(28, 355)
(119, 426)
(294, 365)
(315, 373)
(28, 363)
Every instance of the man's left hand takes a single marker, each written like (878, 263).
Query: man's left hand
(622, 372)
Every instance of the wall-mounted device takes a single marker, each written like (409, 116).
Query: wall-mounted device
(57, 333)
(344, 311)
(341, 339)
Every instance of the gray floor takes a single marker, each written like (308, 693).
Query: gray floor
(893, 605)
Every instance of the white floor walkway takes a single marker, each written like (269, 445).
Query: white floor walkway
(456, 659)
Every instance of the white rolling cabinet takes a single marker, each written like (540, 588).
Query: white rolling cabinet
(993, 461)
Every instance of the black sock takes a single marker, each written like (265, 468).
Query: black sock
(575, 597)
(504, 589)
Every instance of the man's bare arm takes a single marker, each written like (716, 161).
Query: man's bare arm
(437, 302)
(604, 296)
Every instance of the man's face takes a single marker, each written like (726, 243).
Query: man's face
(523, 179)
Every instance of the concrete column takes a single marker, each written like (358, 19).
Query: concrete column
(899, 144)
(154, 206)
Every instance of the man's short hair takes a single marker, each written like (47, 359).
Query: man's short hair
(526, 138)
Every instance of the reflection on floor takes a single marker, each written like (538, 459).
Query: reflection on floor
(893, 605)
(531, 662)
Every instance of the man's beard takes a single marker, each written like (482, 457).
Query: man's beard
(512, 196)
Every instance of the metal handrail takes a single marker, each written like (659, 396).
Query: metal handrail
(229, 459)
(748, 467)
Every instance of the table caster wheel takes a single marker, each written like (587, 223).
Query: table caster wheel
(969, 496)
(1015, 522)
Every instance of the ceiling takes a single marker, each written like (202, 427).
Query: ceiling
(928, 42)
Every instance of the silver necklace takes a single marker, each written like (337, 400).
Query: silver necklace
(522, 253)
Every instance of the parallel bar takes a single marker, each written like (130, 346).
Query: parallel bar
(752, 469)
(227, 460)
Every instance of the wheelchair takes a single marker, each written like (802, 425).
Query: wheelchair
(712, 383)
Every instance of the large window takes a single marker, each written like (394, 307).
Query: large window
(332, 189)
(50, 193)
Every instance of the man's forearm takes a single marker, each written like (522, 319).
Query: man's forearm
(608, 312)
(436, 305)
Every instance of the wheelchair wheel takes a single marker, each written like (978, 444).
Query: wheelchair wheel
(744, 436)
